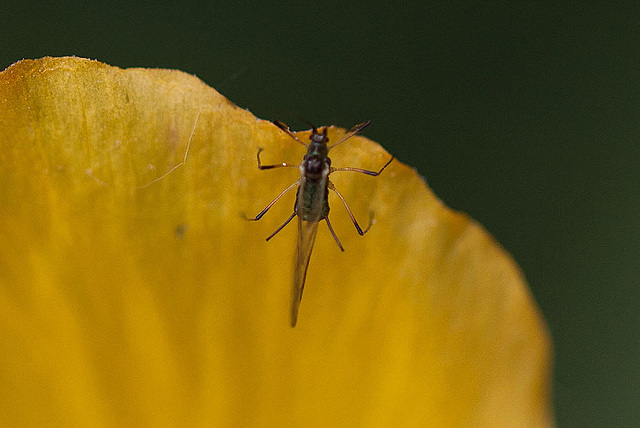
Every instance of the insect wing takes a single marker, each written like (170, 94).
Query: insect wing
(306, 237)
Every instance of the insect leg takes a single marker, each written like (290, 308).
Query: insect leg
(333, 233)
(264, 211)
(278, 165)
(282, 226)
(353, 218)
(365, 171)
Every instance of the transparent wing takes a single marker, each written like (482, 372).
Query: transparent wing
(309, 215)
(306, 237)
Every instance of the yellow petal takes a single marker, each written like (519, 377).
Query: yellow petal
(127, 304)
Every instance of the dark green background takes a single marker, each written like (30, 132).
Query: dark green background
(525, 115)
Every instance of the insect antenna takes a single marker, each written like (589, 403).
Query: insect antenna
(351, 132)
(308, 122)
(286, 129)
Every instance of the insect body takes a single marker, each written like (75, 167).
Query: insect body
(312, 200)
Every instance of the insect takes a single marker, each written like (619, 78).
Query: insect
(312, 199)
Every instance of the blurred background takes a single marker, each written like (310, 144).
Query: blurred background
(524, 115)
